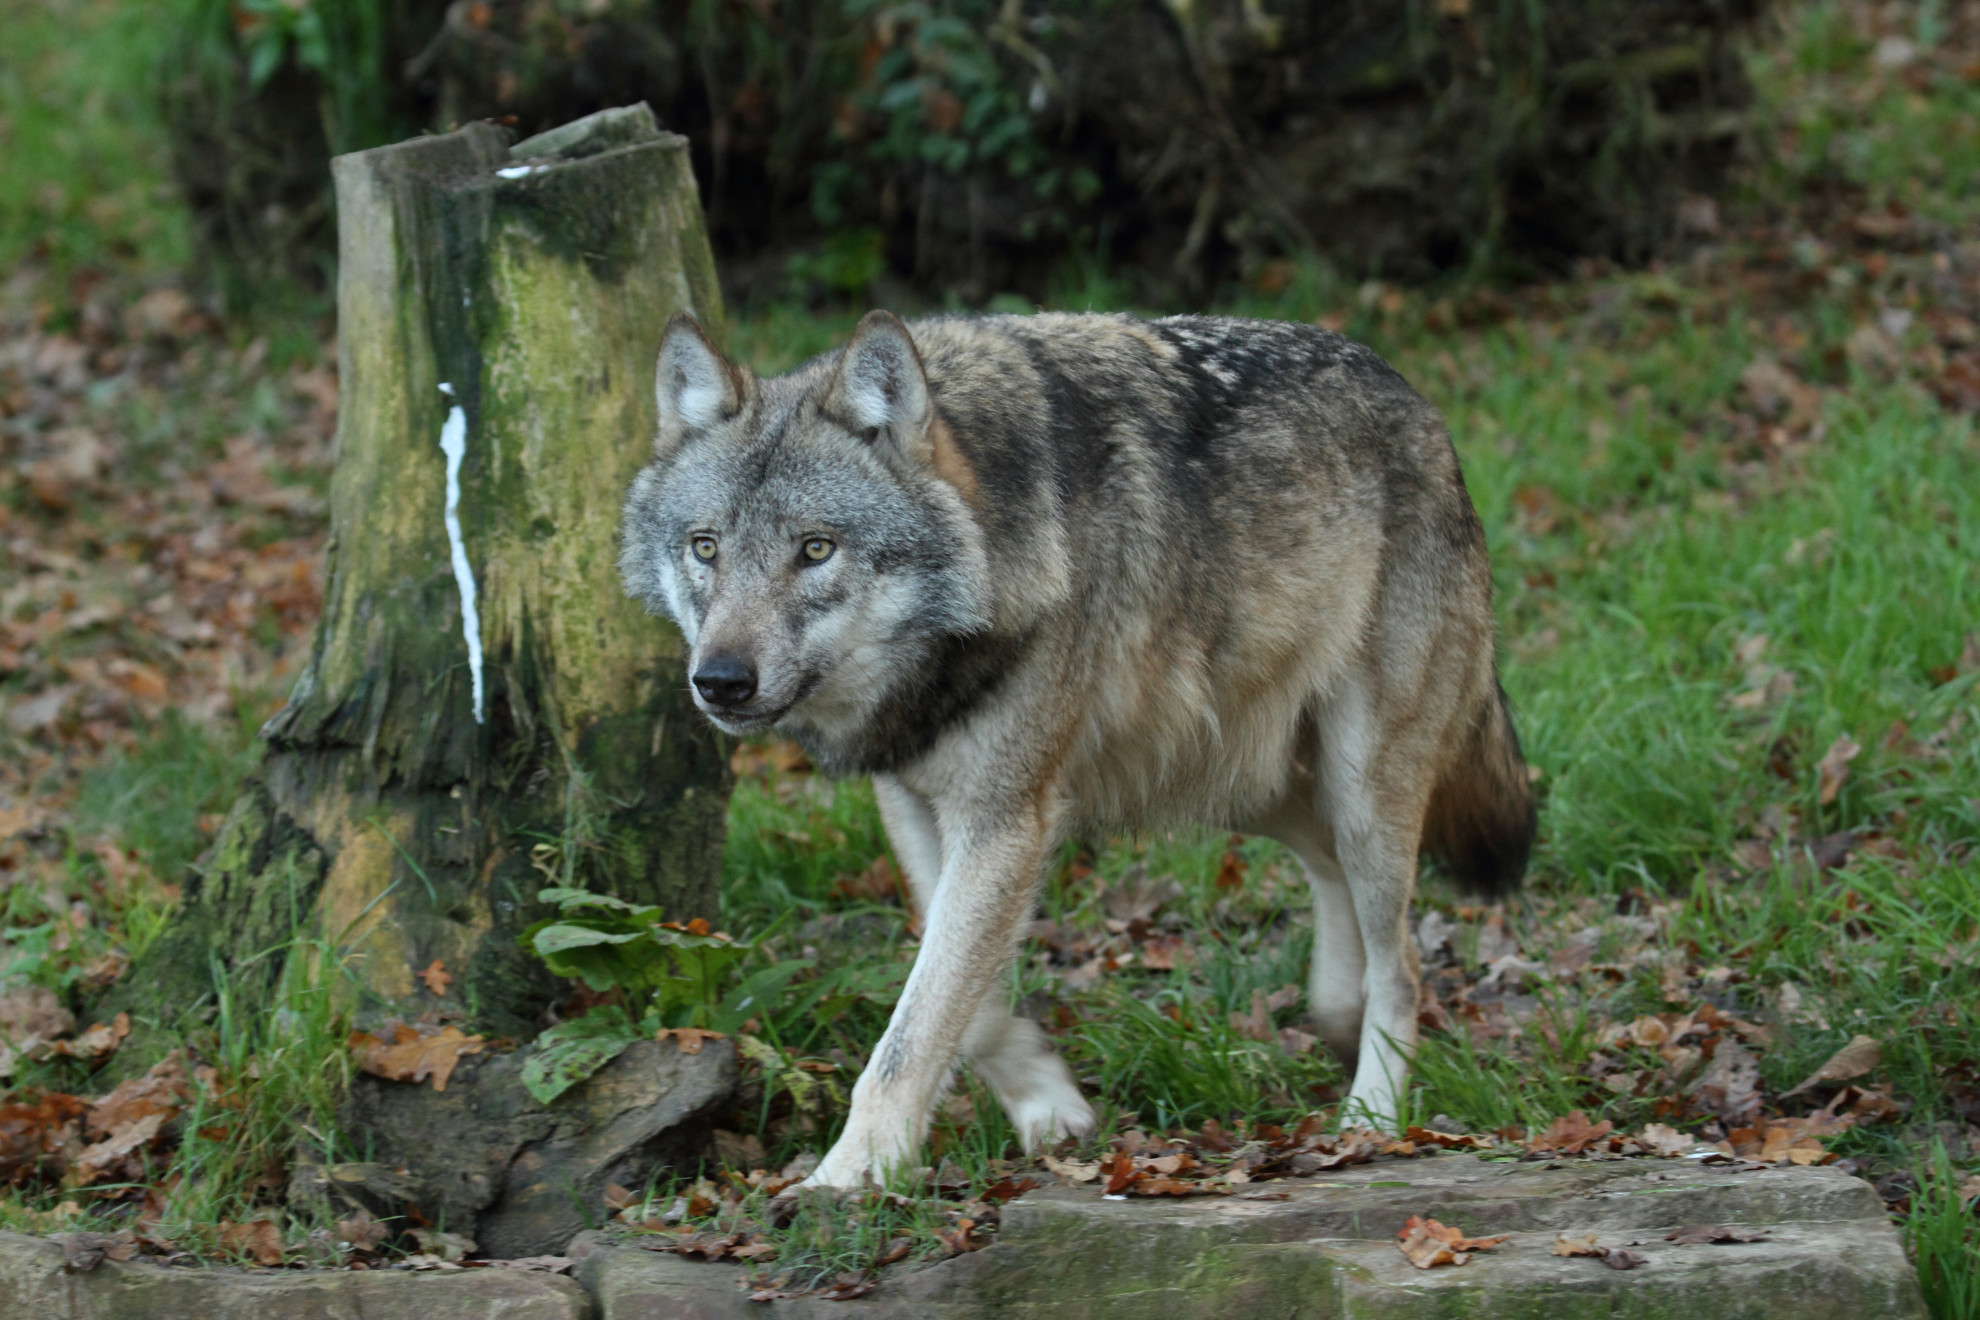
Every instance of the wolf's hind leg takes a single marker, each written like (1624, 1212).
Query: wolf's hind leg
(1010, 1054)
(1374, 802)
(1334, 982)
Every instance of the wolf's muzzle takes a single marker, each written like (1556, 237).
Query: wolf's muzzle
(725, 681)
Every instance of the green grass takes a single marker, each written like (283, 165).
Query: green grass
(84, 182)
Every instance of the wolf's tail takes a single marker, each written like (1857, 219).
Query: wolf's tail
(1481, 820)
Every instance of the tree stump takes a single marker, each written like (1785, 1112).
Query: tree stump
(483, 711)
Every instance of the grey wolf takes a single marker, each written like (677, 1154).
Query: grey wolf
(1037, 574)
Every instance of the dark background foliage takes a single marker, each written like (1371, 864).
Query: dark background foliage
(978, 146)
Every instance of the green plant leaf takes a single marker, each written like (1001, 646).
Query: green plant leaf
(576, 898)
(571, 1051)
(561, 936)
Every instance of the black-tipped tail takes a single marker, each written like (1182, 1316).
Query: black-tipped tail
(1482, 816)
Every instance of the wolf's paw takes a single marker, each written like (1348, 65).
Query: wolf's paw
(1051, 1112)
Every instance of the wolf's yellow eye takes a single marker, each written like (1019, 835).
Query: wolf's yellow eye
(817, 549)
(704, 548)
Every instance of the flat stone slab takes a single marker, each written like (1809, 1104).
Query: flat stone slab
(1328, 1252)
(33, 1286)
(1325, 1252)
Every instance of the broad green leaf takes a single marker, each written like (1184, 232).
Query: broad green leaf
(573, 898)
(571, 1051)
(562, 936)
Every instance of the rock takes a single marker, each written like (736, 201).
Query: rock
(1328, 1250)
(32, 1284)
(521, 1178)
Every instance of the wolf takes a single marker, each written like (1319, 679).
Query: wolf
(1038, 574)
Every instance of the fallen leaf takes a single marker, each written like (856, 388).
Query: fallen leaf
(546, 1264)
(447, 1246)
(1834, 768)
(880, 882)
(38, 1138)
(413, 1054)
(1861, 1055)
(1700, 1234)
(361, 1232)
(436, 977)
(258, 1238)
(1660, 1139)
(163, 1090)
(1256, 1024)
(32, 1013)
(1581, 1245)
(1008, 1190)
(1230, 871)
(98, 1160)
(1570, 1135)
(83, 1252)
(690, 1039)
(1425, 1243)
(1730, 1085)
(97, 1041)
(1072, 1171)
(1448, 1140)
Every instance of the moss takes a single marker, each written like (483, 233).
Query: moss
(384, 814)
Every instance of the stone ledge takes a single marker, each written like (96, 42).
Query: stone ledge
(33, 1284)
(1325, 1252)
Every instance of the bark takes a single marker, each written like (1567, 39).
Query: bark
(413, 796)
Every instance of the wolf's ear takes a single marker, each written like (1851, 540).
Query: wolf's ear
(695, 386)
(881, 392)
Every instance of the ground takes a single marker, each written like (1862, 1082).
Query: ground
(1733, 503)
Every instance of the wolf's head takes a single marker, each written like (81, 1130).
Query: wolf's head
(806, 532)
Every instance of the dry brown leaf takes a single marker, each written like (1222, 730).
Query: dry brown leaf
(1660, 1139)
(39, 1138)
(83, 1252)
(1421, 1136)
(257, 1238)
(99, 1040)
(32, 1013)
(127, 1139)
(1570, 1135)
(1425, 1243)
(413, 1055)
(163, 1090)
(1581, 1245)
(546, 1264)
(1861, 1055)
(361, 1232)
(447, 1246)
(690, 1039)
(1072, 1171)
(1699, 1234)
(1834, 768)
(761, 758)
(1730, 1085)
(436, 977)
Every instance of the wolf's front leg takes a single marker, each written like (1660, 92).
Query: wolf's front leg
(1011, 1055)
(990, 867)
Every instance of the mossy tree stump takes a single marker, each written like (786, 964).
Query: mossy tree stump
(483, 708)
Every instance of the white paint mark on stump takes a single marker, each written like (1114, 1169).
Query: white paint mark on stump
(453, 443)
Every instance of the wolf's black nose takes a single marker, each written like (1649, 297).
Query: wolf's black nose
(725, 680)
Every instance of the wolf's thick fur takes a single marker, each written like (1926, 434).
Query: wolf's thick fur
(1074, 571)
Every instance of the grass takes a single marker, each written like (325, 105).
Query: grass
(84, 184)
